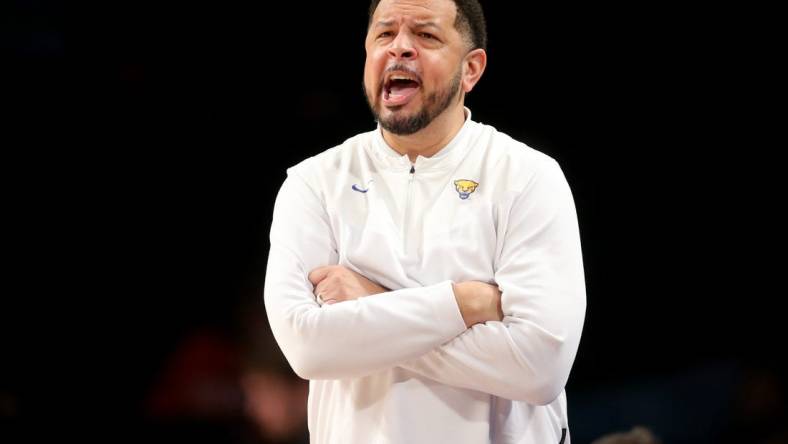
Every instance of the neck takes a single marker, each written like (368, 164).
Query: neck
(430, 139)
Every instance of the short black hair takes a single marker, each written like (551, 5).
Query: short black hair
(470, 21)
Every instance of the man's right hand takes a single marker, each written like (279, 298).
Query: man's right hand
(336, 283)
(478, 302)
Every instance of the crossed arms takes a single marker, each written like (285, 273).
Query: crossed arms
(517, 340)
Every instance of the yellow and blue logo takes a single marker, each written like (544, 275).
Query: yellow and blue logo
(465, 187)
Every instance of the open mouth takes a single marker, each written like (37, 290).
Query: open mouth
(399, 89)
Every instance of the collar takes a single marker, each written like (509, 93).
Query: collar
(447, 157)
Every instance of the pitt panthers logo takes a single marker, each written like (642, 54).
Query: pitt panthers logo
(465, 187)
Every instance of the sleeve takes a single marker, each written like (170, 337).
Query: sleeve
(529, 354)
(352, 338)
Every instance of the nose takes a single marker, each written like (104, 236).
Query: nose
(402, 47)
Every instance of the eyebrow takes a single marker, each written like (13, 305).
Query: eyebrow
(384, 23)
(427, 25)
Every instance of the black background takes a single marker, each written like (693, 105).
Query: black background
(147, 141)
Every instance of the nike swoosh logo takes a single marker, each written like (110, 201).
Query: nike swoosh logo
(362, 190)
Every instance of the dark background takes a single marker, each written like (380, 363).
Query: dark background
(145, 144)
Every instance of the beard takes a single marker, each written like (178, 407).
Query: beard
(434, 104)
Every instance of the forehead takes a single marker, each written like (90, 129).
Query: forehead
(439, 12)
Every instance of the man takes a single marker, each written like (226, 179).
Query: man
(427, 276)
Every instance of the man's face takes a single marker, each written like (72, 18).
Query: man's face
(414, 60)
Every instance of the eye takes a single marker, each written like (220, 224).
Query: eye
(384, 34)
(427, 35)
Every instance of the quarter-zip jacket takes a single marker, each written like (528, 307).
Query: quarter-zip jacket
(401, 367)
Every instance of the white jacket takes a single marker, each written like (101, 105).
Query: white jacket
(401, 367)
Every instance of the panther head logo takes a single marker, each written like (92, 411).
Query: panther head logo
(465, 187)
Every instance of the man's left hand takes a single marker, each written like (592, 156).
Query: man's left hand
(335, 283)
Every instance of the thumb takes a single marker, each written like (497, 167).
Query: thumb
(318, 274)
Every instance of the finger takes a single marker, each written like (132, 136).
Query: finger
(318, 274)
(324, 289)
(320, 289)
(322, 299)
(327, 295)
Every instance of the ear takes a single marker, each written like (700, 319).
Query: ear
(474, 64)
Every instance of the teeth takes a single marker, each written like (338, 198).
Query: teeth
(401, 77)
